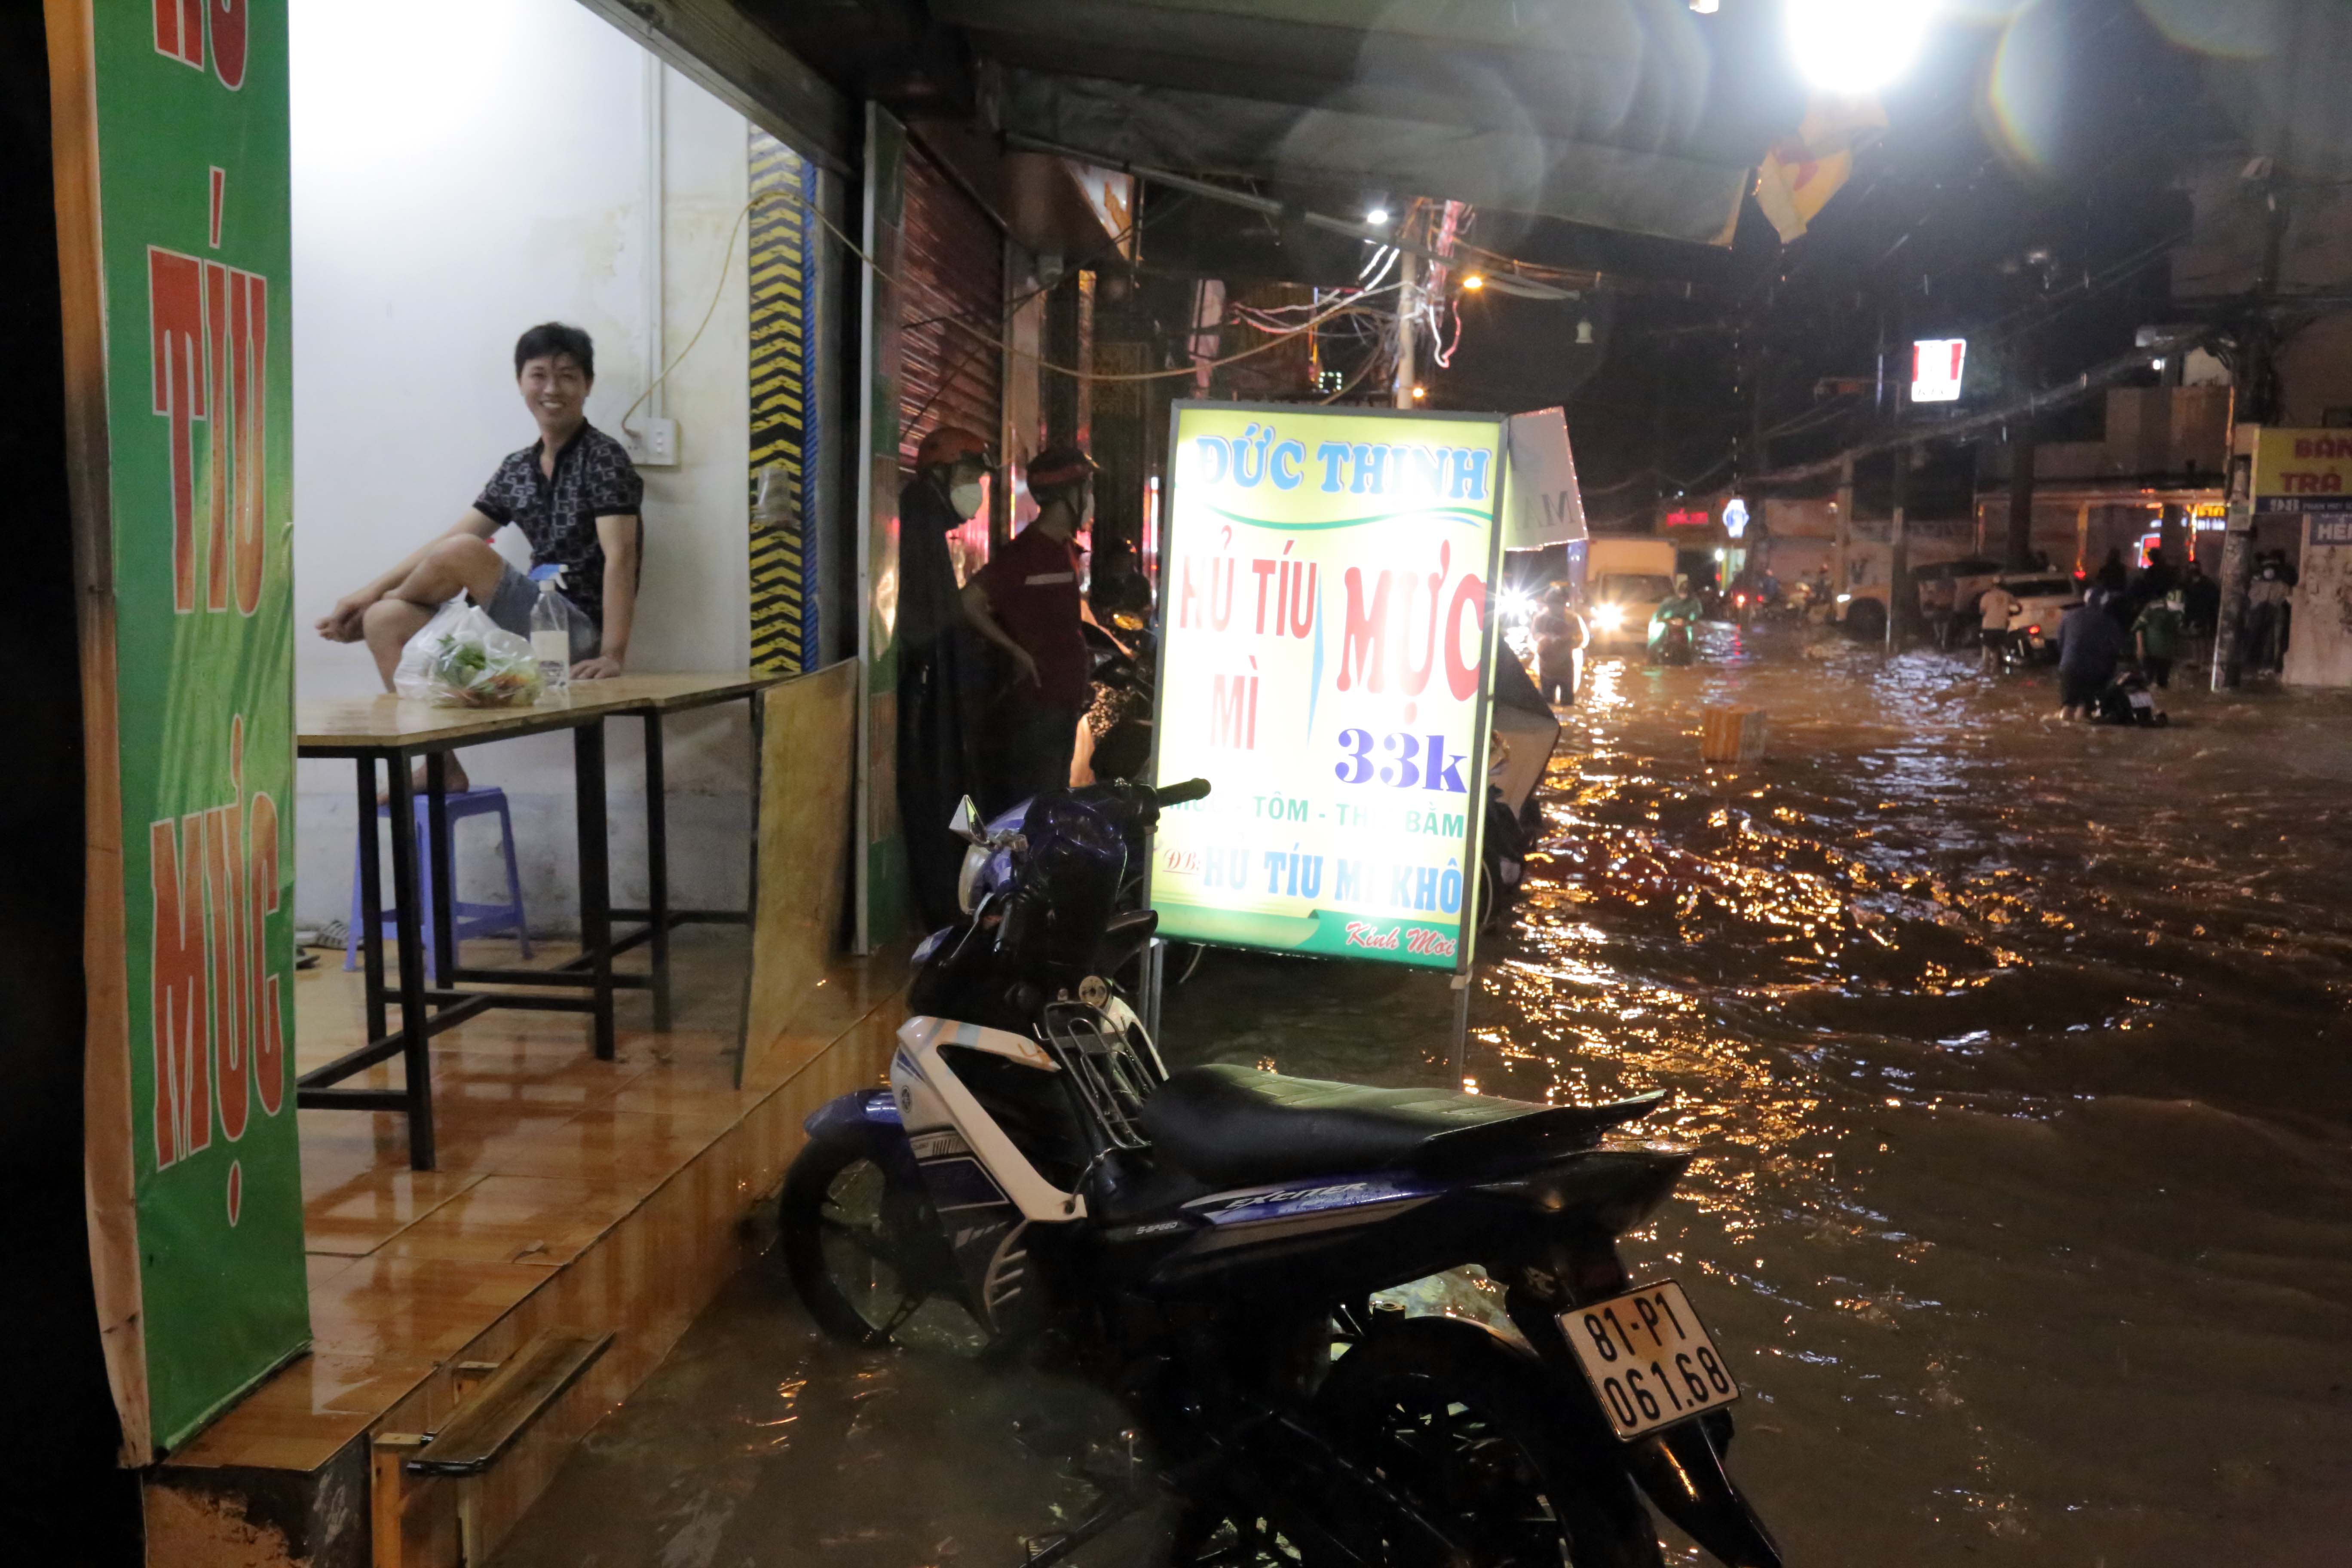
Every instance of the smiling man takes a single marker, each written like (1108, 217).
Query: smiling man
(575, 495)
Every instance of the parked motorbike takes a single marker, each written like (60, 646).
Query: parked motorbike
(1212, 1246)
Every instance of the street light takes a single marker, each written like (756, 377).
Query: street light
(1474, 281)
(1856, 46)
(1378, 217)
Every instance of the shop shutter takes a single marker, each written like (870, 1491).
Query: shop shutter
(951, 311)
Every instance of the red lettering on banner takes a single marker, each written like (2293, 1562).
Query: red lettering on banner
(1369, 934)
(228, 19)
(179, 32)
(217, 316)
(1364, 649)
(175, 304)
(184, 1121)
(210, 344)
(231, 1015)
(252, 358)
(218, 1041)
(261, 901)
(1461, 677)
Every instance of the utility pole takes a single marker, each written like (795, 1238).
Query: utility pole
(1408, 307)
(2238, 543)
(1898, 552)
(2023, 454)
(2237, 570)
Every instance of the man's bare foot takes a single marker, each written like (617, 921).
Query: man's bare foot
(457, 781)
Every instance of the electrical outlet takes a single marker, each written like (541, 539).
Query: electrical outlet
(654, 444)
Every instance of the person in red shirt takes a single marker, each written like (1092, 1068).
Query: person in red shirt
(1027, 601)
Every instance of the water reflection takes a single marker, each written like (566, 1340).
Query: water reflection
(2013, 1058)
(2011, 1055)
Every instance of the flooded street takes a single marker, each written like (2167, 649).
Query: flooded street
(2013, 1055)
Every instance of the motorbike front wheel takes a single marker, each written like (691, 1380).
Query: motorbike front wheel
(1470, 1431)
(866, 1252)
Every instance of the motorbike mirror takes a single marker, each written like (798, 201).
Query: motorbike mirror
(965, 823)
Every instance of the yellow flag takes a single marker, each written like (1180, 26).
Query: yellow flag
(1799, 175)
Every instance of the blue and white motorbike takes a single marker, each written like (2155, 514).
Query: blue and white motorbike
(1220, 1247)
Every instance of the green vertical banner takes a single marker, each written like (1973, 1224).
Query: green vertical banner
(882, 884)
(174, 141)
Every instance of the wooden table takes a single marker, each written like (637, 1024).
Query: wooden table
(372, 729)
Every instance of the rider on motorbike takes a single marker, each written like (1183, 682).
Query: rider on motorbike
(1684, 610)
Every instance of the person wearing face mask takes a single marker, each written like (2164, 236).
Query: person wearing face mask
(939, 676)
(1029, 601)
(2266, 616)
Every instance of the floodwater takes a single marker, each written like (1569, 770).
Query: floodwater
(2012, 1054)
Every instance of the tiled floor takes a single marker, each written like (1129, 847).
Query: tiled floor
(543, 1150)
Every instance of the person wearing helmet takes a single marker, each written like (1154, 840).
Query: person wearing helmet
(1029, 601)
(2157, 634)
(1685, 607)
(939, 676)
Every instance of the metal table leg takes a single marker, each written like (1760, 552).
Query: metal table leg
(409, 926)
(440, 867)
(657, 869)
(371, 901)
(595, 875)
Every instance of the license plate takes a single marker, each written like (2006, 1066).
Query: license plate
(1649, 1359)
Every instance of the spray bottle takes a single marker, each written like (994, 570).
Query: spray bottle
(550, 634)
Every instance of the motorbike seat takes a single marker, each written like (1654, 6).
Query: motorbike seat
(1235, 1126)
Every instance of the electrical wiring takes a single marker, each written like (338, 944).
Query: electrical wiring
(727, 262)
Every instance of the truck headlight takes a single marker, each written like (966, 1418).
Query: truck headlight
(1609, 617)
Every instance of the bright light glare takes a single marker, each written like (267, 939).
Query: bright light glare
(1473, 282)
(1378, 217)
(1609, 617)
(1518, 606)
(1856, 46)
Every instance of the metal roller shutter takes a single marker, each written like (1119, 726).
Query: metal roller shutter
(952, 312)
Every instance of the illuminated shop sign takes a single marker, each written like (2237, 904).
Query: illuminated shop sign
(1936, 366)
(1324, 667)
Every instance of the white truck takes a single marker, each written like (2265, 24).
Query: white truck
(1625, 579)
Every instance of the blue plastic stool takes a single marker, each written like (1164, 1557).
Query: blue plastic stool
(465, 920)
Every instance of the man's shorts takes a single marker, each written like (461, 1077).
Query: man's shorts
(514, 599)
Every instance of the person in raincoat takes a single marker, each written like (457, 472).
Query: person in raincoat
(2090, 645)
(1560, 636)
(939, 671)
(1684, 607)
(2157, 634)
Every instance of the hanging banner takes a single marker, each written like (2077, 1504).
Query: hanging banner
(171, 143)
(1323, 663)
(1545, 506)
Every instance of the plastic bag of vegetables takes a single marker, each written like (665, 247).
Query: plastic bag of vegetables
(463, 659)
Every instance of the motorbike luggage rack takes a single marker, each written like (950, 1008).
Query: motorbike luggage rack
(1112, 1078)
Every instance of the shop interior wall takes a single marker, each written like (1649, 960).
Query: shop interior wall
(457, 178)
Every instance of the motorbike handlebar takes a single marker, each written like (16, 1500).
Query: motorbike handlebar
(1177, 794)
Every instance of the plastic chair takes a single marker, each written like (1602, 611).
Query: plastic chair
(466, 919)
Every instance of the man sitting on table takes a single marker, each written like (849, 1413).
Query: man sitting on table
(574, 494)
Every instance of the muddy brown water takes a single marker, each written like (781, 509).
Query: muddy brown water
(2014, 1059)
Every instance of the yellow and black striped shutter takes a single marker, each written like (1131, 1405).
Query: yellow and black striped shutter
(786, 508)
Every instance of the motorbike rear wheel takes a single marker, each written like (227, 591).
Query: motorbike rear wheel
(1470, 1430)
(866, 1254)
